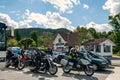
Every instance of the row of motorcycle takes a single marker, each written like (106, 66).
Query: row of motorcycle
(47, 64)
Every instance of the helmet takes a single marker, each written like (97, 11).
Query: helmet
(72, 50)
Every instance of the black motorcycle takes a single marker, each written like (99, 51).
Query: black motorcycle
(15, 61)
(83, 64)
(46, 65)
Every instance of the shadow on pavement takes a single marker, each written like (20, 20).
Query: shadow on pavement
(79, 76)
(104, 71)
(10, 69)
(40, 75)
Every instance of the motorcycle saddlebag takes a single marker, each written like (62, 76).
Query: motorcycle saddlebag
(63, 62)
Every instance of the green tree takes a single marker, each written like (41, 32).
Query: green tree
(115, 22)
(34, 36)
(12, 42)
(17, 35)
(93, 33)
(111, 35)
(84, 35)
(45, 39)
(27, 42)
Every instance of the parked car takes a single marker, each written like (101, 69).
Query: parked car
(15, 49)
(101, 57)
(97, 62)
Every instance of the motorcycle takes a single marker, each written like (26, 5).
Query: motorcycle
(17, 62)
(83, 64)
(46, 65)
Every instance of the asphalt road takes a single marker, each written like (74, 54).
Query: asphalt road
(25, 74)
(13, 74)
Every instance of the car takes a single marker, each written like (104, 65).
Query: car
(15, 50)
(101, 57)
(97, 62)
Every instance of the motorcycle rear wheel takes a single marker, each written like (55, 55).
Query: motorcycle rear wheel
(66, 69)
(7, 65)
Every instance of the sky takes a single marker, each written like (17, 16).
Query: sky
(58, 13)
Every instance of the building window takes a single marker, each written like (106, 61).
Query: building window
(107, 48)
(98, 48)
(59, 40)
(91, 47)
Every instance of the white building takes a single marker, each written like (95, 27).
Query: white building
(63, 42)
(101, 46)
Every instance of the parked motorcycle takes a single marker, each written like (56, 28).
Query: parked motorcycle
(83, 64)
(46, 65)
(17, 62)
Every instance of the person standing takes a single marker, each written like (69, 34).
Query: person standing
(49, 50)
(37, 60)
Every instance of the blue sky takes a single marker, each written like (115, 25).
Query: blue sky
(58, 13)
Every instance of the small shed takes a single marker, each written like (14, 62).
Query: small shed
(102, 46)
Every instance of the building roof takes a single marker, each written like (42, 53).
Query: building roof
(71, 39)
(97, 41)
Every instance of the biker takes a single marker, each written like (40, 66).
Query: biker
(72, 57)
(22, 51)
(9, 55)
(49, 50)
(37, 60)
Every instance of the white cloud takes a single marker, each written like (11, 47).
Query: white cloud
(4, 18)
(50, 20)
(63, 5)
(85, 6)
(99, 27)
(113, 6)
(24, 24)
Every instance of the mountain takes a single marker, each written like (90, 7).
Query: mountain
(25, 32)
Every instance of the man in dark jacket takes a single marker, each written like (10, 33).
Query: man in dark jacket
(37, 60)
(9, 55)
(49, 50)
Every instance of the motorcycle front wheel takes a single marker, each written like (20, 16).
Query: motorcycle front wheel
(89, 71)
(53, 69)
(21, 65)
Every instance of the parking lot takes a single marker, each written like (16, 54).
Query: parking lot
(13, 74)
(25, 74)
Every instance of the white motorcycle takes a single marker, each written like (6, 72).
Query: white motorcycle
(83, 64)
